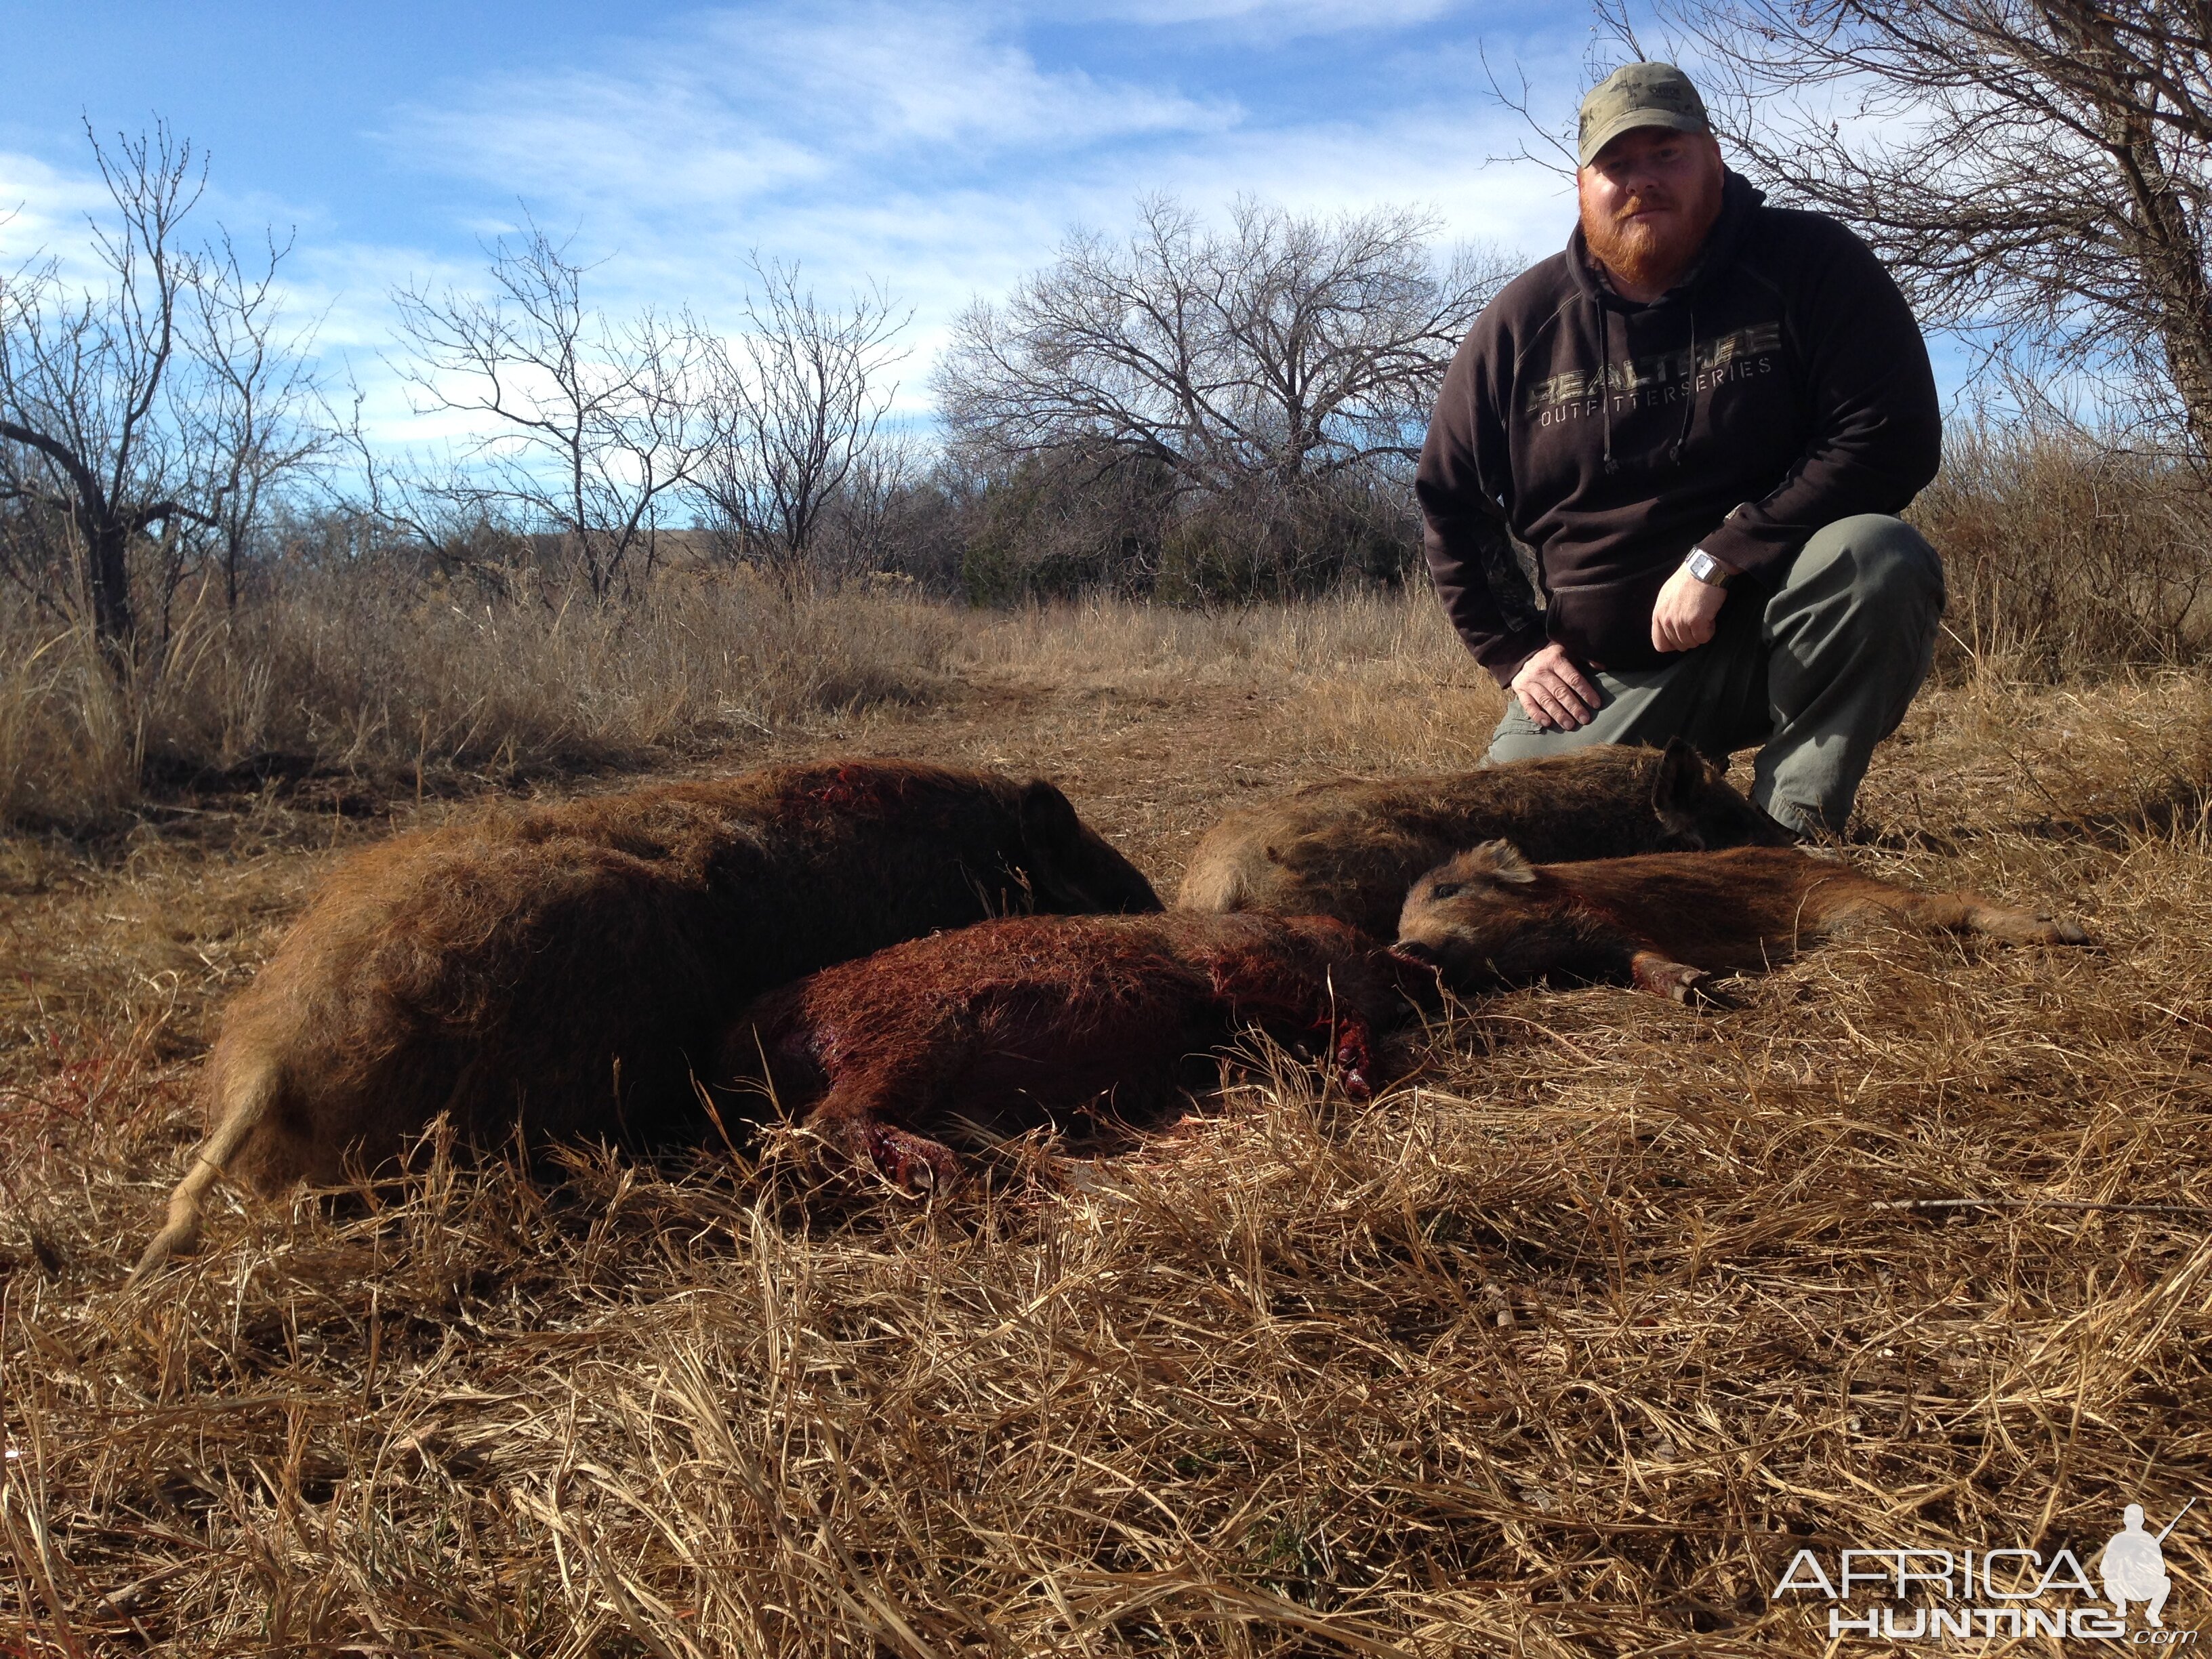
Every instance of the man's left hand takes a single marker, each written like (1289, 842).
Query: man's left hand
(1685, 612)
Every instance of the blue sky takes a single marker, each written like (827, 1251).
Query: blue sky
(941, 150)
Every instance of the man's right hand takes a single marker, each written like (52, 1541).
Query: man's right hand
(1553, 692)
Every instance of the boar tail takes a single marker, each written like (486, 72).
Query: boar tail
(248, 1097)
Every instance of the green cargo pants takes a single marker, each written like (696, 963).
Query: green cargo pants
(1815, 671)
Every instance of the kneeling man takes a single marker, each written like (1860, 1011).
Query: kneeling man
(1699, 422)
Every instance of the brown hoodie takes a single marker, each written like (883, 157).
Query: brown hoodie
(1783, 385)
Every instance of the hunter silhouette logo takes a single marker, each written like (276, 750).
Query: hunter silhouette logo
(2134, 1566)
(1930, 1595)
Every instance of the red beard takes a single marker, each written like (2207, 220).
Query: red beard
(1650, 253)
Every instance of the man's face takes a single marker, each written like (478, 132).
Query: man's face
(1648, 199)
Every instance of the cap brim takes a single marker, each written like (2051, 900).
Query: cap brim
(1633, 119)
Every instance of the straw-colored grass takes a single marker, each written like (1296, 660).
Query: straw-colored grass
(383, 681)
(1563, 1347)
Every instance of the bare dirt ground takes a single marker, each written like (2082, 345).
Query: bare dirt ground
(1566, 1345)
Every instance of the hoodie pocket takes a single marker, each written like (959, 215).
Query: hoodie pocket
(1608, 624)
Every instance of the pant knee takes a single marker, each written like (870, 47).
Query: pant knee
(1887, 559)
(1519, 737)
(1900, 561)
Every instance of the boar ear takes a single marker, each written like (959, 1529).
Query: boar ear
(1048, 830)
(1047, 819)
(1506, 863)
(1681, 776)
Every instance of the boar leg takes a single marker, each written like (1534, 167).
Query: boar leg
(1965, 913)
(1957, 912)
(1605, 950)
(1260, 994)
(854, 1117)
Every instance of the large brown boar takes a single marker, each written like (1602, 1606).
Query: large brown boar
(560, 969)
(1351, 848)
(1008, 1022)
(1667, 921)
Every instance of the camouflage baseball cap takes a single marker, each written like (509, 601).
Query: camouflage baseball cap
(1638, 96)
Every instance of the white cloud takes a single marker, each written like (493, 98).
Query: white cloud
(1279, 19)
(925, 146)
(43, 212)
(930, 147)
(781, 99)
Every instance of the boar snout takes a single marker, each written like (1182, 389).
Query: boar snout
(1696, 809)
(1073, 870)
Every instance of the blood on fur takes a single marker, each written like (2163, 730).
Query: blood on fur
(561, 969)
(1013, 1022)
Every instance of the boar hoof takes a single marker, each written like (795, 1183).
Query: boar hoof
(1677, 981)
(1353, 1062)
(912, 1163)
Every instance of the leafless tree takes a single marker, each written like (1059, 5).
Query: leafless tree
(1273, 372)
(2037, 173)
(257, 426)
(862, 527)
(588, 429)
(159, 394)
(800, 396)
(1286, 347)
(430, 506)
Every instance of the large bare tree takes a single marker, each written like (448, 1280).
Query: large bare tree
(2035, 172)
(1282, 347)
(800, 398)
(156, 394)
(584, 428)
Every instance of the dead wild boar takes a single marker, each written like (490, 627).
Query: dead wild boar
(560, 969)
(1351, 848)
(1666, 922)
(1008, 1022)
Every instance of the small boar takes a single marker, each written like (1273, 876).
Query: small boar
(1352, 847)
(1009, 1021)
(1666, 922)
(560, 969)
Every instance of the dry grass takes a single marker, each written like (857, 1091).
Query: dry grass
(1563, 1347)
(2067, 557)
(388, 682)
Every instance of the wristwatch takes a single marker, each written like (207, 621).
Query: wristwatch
(1704, 568)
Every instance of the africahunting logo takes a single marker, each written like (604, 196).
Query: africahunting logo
(1933, 1595)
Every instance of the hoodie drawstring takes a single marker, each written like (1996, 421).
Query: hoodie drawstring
(1605, 386)
(1605, 379)
(1689, 391)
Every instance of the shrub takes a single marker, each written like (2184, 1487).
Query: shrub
(2066, 556)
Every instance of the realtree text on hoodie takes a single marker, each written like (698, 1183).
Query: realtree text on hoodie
(1782, 387)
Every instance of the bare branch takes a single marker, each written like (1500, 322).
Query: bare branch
(800, 399)
(162, 396)
(590, 428)
(2037, 173)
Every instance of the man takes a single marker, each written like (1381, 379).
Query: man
(1699, 420)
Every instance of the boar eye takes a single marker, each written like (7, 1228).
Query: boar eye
(1445, 889)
